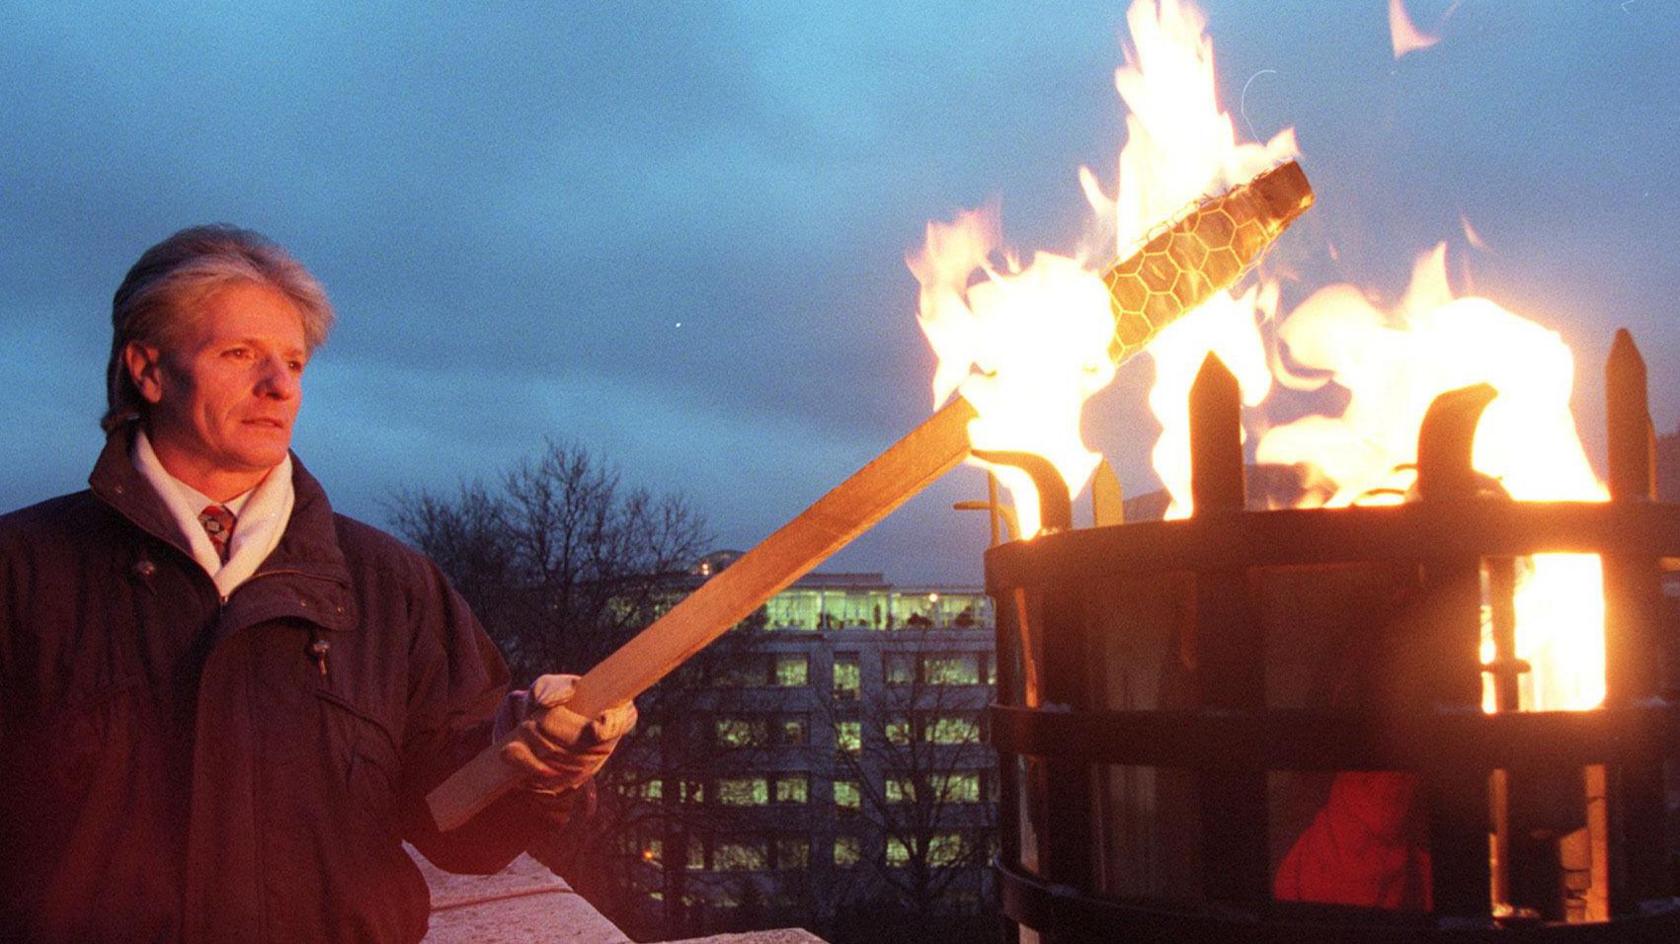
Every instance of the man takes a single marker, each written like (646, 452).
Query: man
(221, 704)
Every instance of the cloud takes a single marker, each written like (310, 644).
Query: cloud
(514, 205)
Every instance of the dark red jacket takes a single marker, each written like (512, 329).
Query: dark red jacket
(176, 767)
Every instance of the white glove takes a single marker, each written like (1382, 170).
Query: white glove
(556, 747)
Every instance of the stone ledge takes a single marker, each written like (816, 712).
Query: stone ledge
(525, 903)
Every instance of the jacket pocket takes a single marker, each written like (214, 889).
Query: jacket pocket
(366, 759)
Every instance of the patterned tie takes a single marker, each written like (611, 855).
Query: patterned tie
(218, 523)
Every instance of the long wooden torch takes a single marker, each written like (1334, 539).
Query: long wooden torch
(1178, 269)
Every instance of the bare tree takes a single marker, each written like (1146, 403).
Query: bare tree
(924, 784)
(562, 563)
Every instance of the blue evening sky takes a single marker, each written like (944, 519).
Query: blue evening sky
(675, 232)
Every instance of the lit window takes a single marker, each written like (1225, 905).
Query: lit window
(951, 668)
(899, 732)
(792, 670)
(846, 675)
(952, 729)
(794, 788)
(740, 856)
(793, 731)
(913, 611)
(956, 787)
(848, 736)
(846, 852)
(744, 791)
(692, 791)
(846, 795)
(793, 853)
(696, 856)
(741, 732)
(792, 609)
(901, 790)
(943, 850)
(946, 849)
(653, 851)
(900, 668)
(898, 853)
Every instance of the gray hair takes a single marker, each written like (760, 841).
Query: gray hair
(156, 300)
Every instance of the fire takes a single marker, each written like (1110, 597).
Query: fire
(1402, 34)
(1225, 326)
(1025, 345)
(1393, 364)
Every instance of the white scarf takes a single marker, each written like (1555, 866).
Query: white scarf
(262, 515)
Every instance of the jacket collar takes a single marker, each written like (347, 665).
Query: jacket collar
(309, 548)
(118, 483)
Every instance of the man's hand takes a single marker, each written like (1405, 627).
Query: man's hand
(566, 749)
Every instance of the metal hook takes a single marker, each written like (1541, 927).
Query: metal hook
(1055, 505)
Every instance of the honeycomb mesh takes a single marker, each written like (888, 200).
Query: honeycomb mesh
(1200, 254)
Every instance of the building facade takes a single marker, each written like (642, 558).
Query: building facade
(826, 758)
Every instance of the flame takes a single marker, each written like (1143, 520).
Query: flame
(1471, 235)
(1224, 326)
(1402, 34)
(1393, 364)
(1027, 346)
(1180, 144)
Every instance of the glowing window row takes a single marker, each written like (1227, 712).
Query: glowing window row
(944, 849)
(909, 668)
(876, 609)
(960, 786)
(740, 731)
(966, 786)
(902, 731)
(793, 670)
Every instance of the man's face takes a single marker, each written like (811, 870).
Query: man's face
(224, 397)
